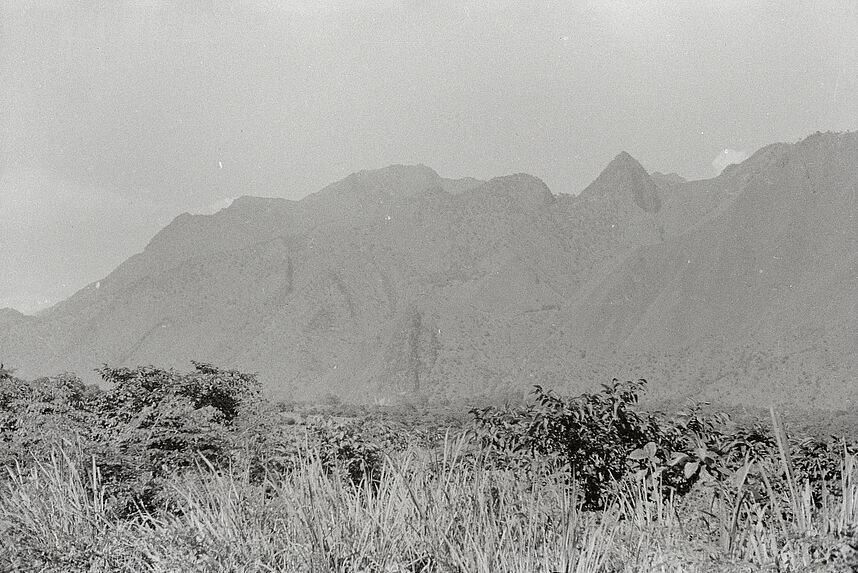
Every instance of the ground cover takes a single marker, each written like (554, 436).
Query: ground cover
(169, 471)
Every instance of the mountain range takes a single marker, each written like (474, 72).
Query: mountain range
(398, 283)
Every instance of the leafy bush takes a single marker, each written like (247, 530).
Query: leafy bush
(600, 438)
(591, 435)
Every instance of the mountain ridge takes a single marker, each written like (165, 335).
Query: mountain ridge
(386, 284)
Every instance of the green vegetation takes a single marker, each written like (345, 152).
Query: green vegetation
(168, 471)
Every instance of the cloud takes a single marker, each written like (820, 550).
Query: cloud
(728, 157)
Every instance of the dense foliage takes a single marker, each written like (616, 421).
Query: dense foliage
(151, 424)
(148, 424)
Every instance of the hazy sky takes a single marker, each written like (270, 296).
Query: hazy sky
(116, 116)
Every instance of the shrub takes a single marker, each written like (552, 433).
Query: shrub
(35, 415)
(591, 435)
(160, 421)
(149, 424)
(600, 437)
(354, 449)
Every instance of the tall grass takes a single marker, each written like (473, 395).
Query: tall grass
(425, 511)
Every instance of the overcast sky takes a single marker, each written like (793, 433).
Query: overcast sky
(116, 116)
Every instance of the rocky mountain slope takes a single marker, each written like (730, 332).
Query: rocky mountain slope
(400, 283)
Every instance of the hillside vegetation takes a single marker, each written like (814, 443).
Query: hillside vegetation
(171, 471)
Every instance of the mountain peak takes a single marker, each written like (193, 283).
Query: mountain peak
(396, 180)
(623, 157)
(526, 189)
(625, 178)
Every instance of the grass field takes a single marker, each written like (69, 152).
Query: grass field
(142, 478)
(426, 511)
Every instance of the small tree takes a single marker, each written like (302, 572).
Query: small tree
(159, 421)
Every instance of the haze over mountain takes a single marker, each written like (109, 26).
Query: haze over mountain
(399, 282)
